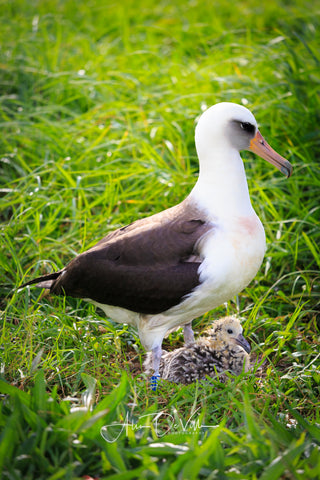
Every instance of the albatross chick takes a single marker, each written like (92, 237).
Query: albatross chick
(222, 349)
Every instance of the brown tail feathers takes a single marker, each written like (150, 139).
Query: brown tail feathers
(45, 281)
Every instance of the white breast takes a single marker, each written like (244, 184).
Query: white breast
(232, 255)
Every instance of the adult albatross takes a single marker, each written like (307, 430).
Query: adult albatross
(163, 271)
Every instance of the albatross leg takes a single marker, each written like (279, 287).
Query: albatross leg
(156, 357)
(188, 333)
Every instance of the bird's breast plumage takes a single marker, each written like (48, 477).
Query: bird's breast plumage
(232, 255)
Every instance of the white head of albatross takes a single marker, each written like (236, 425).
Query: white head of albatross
(223, 131)
(165, 270)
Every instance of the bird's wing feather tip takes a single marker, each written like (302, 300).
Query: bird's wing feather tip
(46, 284)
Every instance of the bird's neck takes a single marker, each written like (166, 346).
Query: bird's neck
(222, 188)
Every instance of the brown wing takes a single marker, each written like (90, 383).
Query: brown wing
(144, 267)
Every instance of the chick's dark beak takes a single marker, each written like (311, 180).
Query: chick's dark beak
(243, 343)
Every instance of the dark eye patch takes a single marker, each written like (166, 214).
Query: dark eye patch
(230, 331)
(248, 127)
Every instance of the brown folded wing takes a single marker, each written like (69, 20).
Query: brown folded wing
(146, 267)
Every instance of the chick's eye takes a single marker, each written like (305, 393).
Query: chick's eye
(248, 127)
(229, 330)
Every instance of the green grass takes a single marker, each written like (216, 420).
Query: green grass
(98, 107)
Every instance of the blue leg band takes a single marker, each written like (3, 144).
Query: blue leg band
(154, 382)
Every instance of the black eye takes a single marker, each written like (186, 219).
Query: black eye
(248, 127)
(229, 330)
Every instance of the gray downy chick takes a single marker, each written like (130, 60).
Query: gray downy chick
(223, 348)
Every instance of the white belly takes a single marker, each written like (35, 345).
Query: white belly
(232, 258)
